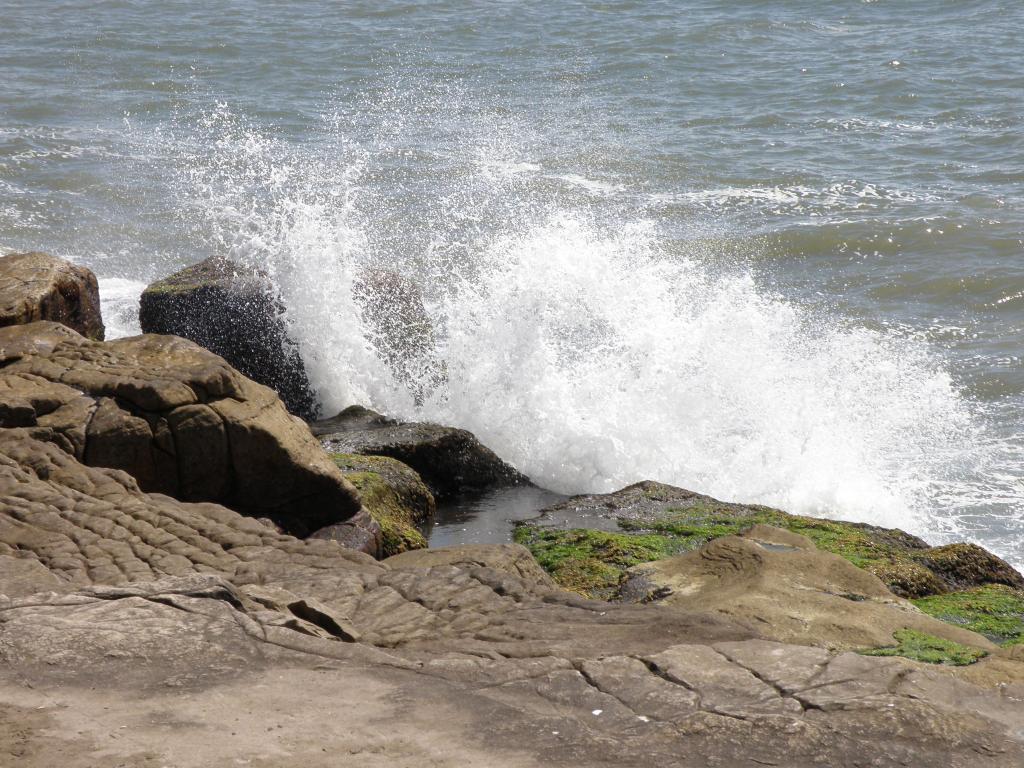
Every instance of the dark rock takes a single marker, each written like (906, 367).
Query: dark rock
(234, 314)
(37, 286)
(176, 417)
(361, 532)
(450, 461)
(962, 566)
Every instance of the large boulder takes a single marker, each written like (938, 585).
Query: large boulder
(401, 331)
(450, 461)
(37, 286)
(232, 312)
(175, 417)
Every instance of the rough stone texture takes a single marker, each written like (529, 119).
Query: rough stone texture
(154, 618)
(963, 565)
(37, 286)
(450, 461)
(508, 558)
(781, 583)
(231, 312)
(395, 497)
(906, 564)
(174, 416)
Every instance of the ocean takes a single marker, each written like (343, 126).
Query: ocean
(771, 251)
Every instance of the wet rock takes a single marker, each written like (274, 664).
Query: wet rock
(608, 533)
(962, 566)
(233, 313)
(400, 329)
(362, 532)
(37, 286)
(175, 417)
(450, 461)
(394, 496)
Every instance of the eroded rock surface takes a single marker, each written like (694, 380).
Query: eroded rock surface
(174, 416)
(667, 520)
(779, 581)
(153, 618)
(37, 286)
(450, 461)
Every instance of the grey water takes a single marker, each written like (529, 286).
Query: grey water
(486, 518)
(772, 251)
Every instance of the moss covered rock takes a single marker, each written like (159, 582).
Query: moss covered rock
(930, 649)
(995, 611)
(593, 563)
(394, 495)
(673, 519)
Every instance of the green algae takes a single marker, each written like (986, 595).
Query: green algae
(890, 555)
(930, 649)
(994, 610)
(589, 562)
(393, 494)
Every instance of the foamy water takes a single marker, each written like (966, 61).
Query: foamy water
(587, 352)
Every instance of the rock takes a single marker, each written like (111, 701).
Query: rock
(607, 533)
(36, 286)
(172, 615)
(175, 417)
(362, 532)
(962, 566)
(793, 592)
(232, 313)
(507, 558)
(394, 496)
(450, 461)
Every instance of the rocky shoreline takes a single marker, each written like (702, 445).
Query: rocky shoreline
(191, 575)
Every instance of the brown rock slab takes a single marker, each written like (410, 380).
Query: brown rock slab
(794, 593)
(176, 417)
(37, 286)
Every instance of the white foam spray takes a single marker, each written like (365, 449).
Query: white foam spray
(579, 342)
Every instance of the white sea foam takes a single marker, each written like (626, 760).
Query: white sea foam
(119, 303)
(586, 351)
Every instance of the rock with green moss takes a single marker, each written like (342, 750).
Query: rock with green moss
(589, 562)
(995, 611)
(930, 649)
(679, 519)
(394, 495)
